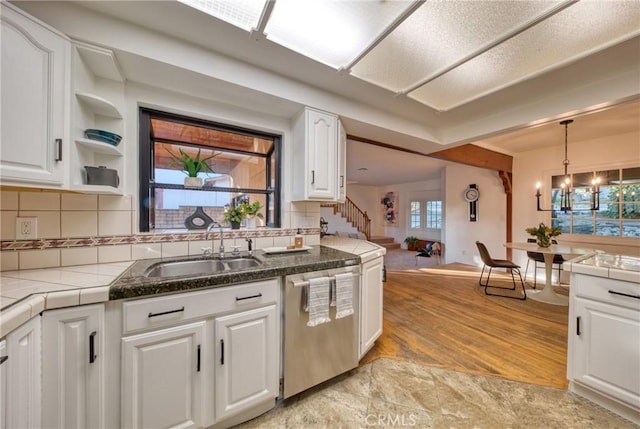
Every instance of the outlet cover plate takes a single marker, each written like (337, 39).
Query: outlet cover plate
(26, 228)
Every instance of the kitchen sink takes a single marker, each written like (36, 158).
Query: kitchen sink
(200, 267)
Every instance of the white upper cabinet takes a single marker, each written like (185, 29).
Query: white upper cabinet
(315, 156)
(342, 163)
(35, 102)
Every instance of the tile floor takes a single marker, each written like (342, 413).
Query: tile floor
(389, 393)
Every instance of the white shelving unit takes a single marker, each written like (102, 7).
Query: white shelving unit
(99, 100)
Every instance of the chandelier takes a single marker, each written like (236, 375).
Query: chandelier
(565, 186)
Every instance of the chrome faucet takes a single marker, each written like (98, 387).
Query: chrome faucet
(216, 224)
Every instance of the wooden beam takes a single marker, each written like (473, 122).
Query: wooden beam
(476, 156)
(507, 180)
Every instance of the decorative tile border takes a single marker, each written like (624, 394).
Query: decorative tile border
(63, 243)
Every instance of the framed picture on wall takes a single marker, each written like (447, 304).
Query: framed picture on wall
(389, 208)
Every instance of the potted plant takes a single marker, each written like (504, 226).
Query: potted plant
(252, 210)
(412, 242)
(192, 166)
(543, 234)
(234, 215)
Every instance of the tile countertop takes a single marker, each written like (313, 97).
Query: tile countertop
(365, 249)
(619, 267)
(26, 293)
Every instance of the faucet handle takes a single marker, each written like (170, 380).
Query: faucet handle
(235, 250)
(206, 251)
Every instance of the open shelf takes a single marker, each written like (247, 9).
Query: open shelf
(96, 189)
(99, 147)
(99, 105)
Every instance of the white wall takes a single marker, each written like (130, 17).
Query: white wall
(539, 165)
(460, 234)
(431, 189)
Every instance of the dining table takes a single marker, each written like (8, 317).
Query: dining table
(547, 294)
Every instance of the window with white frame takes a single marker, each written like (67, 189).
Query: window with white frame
(619, 213)
(425, 214)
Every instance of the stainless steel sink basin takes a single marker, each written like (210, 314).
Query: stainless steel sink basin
(236, 264)
(200, 267)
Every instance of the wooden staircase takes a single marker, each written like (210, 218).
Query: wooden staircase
(386, 242)
(352, 213)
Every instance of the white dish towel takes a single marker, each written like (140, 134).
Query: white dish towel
(318, 301)
(344, 295)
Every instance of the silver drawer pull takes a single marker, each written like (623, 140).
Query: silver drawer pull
(613, 292)
(166, 312)
(259, 295)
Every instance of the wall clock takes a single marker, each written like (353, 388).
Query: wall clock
(471, 194)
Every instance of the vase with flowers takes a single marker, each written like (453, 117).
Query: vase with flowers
(543, 234)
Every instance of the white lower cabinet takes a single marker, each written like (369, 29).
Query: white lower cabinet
(21, 377)
(163, 378)
(604, 342)
(73, 375)
(246, 360)
(370, 304)
(202, 358)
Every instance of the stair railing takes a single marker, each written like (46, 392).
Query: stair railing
(353, 214)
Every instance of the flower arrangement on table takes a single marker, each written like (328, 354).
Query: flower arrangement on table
(543, 234)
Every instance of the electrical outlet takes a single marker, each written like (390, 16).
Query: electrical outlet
(26, 228)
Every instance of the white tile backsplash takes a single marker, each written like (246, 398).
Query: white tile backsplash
(31, 259)
(79, 202)
(48, 222)
(78, 256)
(180, 248)
(114, 223)
(8, 200)
(78, 223)
(8, 224)
(114, 202)
(146, 251)
(116, 253)
(39, 201)
(8, 261)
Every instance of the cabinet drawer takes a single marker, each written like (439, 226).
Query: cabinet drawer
(168, 310)
(611, 291)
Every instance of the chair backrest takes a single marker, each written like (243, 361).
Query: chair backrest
(484, 254)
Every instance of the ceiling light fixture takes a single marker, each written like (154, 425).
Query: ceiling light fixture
(565, 186)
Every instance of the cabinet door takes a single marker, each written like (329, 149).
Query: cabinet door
(23, 376)
(35, 76)
(3, 383)
(607, 349)
(73, 369)
(162, 378)
(342, 163)
(246, 360)
(370, 304)
(322, 142)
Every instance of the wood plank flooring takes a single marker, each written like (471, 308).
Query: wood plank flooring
(434, 317)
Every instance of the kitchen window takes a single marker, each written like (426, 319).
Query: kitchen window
(244, 166)
(425, 214)
(619, 214)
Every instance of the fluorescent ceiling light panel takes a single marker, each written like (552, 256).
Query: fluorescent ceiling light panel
(330, 31)
(241, 13)
(580, 30)
(439, 34)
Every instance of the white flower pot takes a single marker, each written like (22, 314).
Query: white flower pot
(193, 182)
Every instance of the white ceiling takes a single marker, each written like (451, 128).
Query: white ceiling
(462, 57)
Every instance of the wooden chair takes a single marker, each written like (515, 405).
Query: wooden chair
(536, 257)
(498, 263)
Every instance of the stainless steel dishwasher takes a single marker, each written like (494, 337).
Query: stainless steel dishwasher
(315, 354)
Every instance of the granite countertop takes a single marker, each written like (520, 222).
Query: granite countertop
(133, 282)
(26, 293)
(619, 267)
